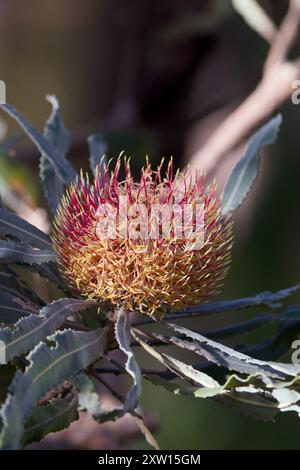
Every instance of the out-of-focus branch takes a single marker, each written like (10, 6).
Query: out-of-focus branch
(274, 89)
(256, 18)
(285, 36)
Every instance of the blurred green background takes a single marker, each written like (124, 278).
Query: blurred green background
(151, 76)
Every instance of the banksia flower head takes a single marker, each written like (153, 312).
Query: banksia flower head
(155, 245)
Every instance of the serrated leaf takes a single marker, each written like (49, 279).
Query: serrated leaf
(48, 368)
(53, 417)
(180, 368)
(12, 252)
(264, 299)
(256, 395)
(123, 337)
(291, 315)
(252, 401)
(58, 136)
(245, 172)
(98, 148)
(11, 224)
(63, 168)
(227, 357)
(31, 330)
(278, 344)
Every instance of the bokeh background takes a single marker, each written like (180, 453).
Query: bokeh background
(157, 78)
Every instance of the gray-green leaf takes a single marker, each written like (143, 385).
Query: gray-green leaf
(12, 252)
(31, 330)
(245, 172)
(11, 224)
(63, 168)
(233, 360)
(123, 337)
(53, 417)
(58, 136)
(48, 368)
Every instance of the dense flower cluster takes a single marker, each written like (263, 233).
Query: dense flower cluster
(124, 263)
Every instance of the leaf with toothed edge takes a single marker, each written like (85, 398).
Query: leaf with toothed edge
(52, 417)
(58, 136)
(231, 359)
(12, 225)
(123, 337)
(48, 368)
(256, 395)
(264, 299)
(63, 168)
(34, 328)
(12, 252)
(245, 172)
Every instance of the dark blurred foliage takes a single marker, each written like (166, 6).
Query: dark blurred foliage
(148, 73)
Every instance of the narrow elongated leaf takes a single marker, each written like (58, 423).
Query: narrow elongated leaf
(245, 172)
(58, 136)
(123, 337)
(12, 224)
(12, 252)
(259, 403)
(31, 330)
(255, 396)
(54, 417)
(254, 323)
(264, 299)
(273, 348)
(63, 168)
(98, 149)
(48, 368)
(231, 359)
(174, 365)
(241, 327)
